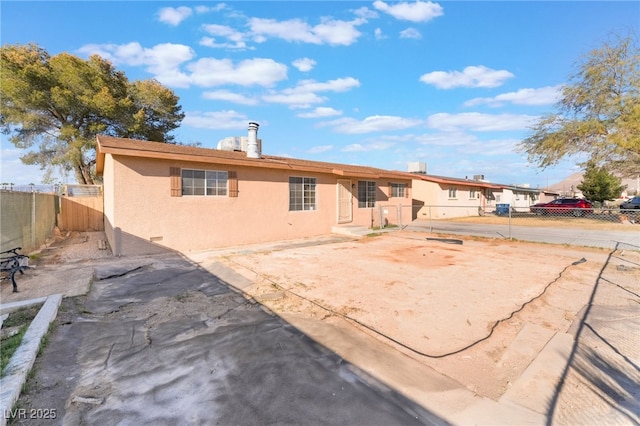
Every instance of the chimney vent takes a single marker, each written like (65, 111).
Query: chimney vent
(252, 144)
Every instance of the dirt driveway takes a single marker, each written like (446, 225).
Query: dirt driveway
(432, 301)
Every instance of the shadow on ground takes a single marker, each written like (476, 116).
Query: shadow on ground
(158, 340)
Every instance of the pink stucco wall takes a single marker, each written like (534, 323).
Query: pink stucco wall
(141, 215)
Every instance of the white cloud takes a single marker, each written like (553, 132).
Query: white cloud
(304, 64)
(471, 76)
(365, 13)
(418, 11)
(225, 95)
(378, 34)
(447, 139)
(303, 95)
(14, 170)
(320, 112)
(543, 96)
(320, 149)
(467, 143)
(237, 38)
(410, 33)
(211, 42)
(217, 120)
(337, 85)
(333, 32)
(337, 32)
(376, 123)
(328, 31)
(372, 146)
(161, 60)
(210, 72)
(480, 122)
(206, 9)
(174, 16)
(294, 99)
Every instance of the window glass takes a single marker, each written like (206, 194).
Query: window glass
(204, 182)
(366, 193)
(302, 193)
(398, 189)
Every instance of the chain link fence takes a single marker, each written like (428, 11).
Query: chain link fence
(597, 227)
(401, 215)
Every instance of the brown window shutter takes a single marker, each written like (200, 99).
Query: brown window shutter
(390, 189)
(233, 184)
(406, 191)
(176, 181)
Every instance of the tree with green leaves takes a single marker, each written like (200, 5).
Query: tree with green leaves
(599, 185)
(598, 112)
(58, 104)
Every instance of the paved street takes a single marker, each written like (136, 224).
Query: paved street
(572, 236)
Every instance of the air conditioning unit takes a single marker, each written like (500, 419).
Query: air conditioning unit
(417, 167)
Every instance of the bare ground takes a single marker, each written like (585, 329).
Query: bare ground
(477, 313)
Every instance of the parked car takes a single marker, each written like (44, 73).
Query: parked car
(575, 206)
(633, 203)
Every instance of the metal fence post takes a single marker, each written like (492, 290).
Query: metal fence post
(509, 223)
(33, 219)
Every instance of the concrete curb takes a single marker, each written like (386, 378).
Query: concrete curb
(24, 357)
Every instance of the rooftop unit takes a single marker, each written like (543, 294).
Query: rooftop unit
(417, 167)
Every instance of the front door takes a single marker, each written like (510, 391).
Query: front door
(345, 198)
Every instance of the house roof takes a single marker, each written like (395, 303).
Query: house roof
(523, 189)
(158, 150)
(456, 181)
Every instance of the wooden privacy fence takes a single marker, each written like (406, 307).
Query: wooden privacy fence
(81, 213)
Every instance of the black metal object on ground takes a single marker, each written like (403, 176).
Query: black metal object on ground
(12, 262)
(446, 240)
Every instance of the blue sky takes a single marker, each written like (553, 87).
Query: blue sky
(454, 84)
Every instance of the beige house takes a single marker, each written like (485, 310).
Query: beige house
(519, 198)
(445, 197)
(159, 196)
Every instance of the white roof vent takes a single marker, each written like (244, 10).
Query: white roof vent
(253, 150)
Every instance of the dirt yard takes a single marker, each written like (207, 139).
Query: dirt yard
(400, 306)
(477, 312)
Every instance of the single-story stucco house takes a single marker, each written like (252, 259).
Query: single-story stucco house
(446, 197)
(185, 198)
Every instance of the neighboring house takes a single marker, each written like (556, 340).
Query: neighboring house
(519, 198)
(439, 197)
(547, 196)
(159, 195)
